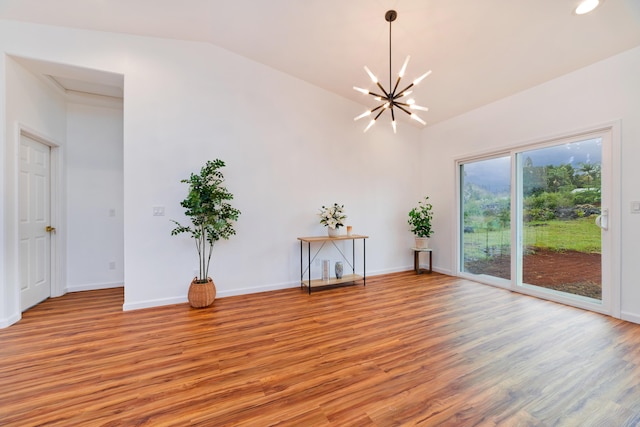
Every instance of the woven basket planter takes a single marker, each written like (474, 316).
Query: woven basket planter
(201, 295)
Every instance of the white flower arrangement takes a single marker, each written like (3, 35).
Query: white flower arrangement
(333, 216)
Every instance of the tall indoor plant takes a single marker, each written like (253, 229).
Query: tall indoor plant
(420, 218)
(212, 219)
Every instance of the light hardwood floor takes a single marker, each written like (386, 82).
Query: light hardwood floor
(404, 350)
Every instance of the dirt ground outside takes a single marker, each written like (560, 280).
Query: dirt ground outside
(574, 272)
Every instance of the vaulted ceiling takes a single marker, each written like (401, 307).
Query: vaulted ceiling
(479, 50)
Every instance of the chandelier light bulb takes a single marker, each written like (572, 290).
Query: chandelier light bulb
(389, 99)
(363, 115)
(371, 75)
(417, 119)
(404, 67)
(417, 107)
(419, 79)
(587, 6)
(371, 123)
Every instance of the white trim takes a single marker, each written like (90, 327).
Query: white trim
(219, 294)
(94, 286)
(616, 218)
(154, 303)
(4, 323)
(496, 282)
(630, 317)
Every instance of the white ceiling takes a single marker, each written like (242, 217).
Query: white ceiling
(479, 50)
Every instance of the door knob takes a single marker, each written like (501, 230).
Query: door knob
(50, 229)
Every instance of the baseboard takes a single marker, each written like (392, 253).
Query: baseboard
(389, 271)
(154, 303)
(254, 290)
(93, 287)
(219, 294)
(630, 317)
(442, 271)
(258, 289)
(8, 321)
(423, 266)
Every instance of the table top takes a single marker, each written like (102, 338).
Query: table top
(423, 249)
(327, 238)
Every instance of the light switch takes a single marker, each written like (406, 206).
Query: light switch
(635, 207)
(112, 212)
(158, 211)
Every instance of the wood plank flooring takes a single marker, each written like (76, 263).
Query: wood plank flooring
(404, 350)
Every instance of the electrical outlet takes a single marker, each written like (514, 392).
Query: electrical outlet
(158, 211)
(112, 265)
(635, 207)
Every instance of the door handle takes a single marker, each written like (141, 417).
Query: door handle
(50, 229)
(602, 220)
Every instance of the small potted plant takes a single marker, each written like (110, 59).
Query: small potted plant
(420, 219)
(212, 219)
(332, 217)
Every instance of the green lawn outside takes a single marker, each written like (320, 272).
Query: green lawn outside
(580, 235)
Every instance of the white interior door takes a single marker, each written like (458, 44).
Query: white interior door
(34, 227)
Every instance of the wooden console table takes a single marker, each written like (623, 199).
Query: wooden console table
(346, 278)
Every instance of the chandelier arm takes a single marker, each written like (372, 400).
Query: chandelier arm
(402, 108)
(396, 86)
(376, 95)
(404, 90)
(383, 91)
(378, 115)
(393, 116)
(377, 108)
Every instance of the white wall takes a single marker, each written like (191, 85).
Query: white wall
(603, 92)
(95, 194)
(32, 104)
(289, 147)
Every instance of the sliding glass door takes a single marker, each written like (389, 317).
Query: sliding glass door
(485, 188)
(537, 220)
(560, 195)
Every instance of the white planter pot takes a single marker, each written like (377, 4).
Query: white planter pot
(333, 232)
(422, 242)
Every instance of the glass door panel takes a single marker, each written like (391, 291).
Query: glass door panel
(485, 233)
(559, 201)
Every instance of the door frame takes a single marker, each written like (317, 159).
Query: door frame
(56, 207)
(611, 307)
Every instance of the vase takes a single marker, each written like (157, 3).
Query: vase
(422, 242)
(339, 268)
(201, 295)
(326, 269)
(333, 232)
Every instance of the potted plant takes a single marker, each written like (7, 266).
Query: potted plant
(333, 217)
(420, 219)
(212, 219)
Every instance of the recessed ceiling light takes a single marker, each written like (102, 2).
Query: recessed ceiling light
(587, 6)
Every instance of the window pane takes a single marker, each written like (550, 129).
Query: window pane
(486, 213)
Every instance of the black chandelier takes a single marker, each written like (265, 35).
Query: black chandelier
(391, 100)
